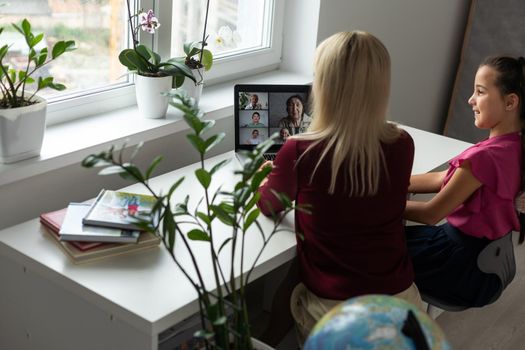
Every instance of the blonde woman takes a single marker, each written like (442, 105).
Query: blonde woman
(353, 168)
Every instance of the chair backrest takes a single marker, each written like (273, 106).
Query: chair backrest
(498, 257)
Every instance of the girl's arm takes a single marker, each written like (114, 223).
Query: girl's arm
(426, 183)
(456, 191)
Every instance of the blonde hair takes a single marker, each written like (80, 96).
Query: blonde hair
(350, 96)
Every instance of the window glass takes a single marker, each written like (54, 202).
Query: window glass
(98, 27)
(233, 25)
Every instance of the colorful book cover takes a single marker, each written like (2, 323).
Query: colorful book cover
(73, 230)
(120, 209)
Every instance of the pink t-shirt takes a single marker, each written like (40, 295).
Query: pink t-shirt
(489, 212)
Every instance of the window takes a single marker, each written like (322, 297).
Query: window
(95, 79)
(97, 26)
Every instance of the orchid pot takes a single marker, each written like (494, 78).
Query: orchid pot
(151, 99)
(192, 88)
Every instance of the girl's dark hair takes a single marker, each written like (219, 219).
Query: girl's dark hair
(511, 79)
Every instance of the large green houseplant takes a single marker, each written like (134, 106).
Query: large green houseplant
(22, 112)
(235, 207)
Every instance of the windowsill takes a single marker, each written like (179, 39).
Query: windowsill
(68, 143)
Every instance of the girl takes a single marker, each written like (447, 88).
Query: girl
(353, 169)
(476, 194)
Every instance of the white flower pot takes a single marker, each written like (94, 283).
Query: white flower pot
(192, 89)
(22, 131)
(150, 101)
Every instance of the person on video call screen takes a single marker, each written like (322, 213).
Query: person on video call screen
(297, 121)
(254, 102)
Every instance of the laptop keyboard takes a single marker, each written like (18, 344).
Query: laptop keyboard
(269, 156)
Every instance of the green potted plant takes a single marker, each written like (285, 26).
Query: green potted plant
(23, 113)
(199, 60)
(234, 207)
(155, 77)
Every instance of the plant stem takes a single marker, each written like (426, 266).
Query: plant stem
(215, 261)
(11, 85)
(24, 81)
(203, 43)
(133, 34)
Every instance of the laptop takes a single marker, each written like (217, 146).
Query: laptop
(262, 110)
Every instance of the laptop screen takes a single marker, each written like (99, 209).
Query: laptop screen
(262, 110)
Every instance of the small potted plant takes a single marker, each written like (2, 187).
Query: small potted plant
(234, 207)
(198, 59)
(23, 113)
(154, 77)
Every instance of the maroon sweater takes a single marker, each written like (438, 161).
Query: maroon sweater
(352, 245)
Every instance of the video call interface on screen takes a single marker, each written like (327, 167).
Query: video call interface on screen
(261, 114)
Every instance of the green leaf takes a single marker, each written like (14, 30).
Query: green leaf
(253, 201)
(58, 87)
(252, 216)
(36, 40)
(115, 169)
(179, 80)
(174, 187)
(207, 59)
(218, 166)
(204, 177)
(222, 215)
(198, 235)
(132, 172)
(3, 51)
(70, 45)
(18, 28)
(41, 59)
(228, 208)
(26, 27)
(220, 321)
(132, 61)
(187, 47)
(169, 228)
(58, 49)
(197, 142)
(213, 141)
(226, 241)
(30, 80)
(144, 51)
(204, 217)
(184, 69)
(208, 124)
(153, 165)
(259, 177)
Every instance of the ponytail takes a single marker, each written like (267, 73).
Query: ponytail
(511, 79)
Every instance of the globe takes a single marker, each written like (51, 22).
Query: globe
(374, 322)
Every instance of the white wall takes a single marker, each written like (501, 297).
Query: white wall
(423, 37)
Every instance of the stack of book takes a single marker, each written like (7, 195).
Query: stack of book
(108, 227)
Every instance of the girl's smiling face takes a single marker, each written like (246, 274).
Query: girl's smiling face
(487, 101)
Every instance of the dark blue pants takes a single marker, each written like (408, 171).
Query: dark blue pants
(445, 265)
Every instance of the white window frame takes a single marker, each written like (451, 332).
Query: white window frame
(224, 68)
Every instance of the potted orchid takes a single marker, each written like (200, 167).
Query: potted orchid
(22, 111)
(198, 59)
(154, 76)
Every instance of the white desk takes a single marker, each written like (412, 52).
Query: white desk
(124, 302)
